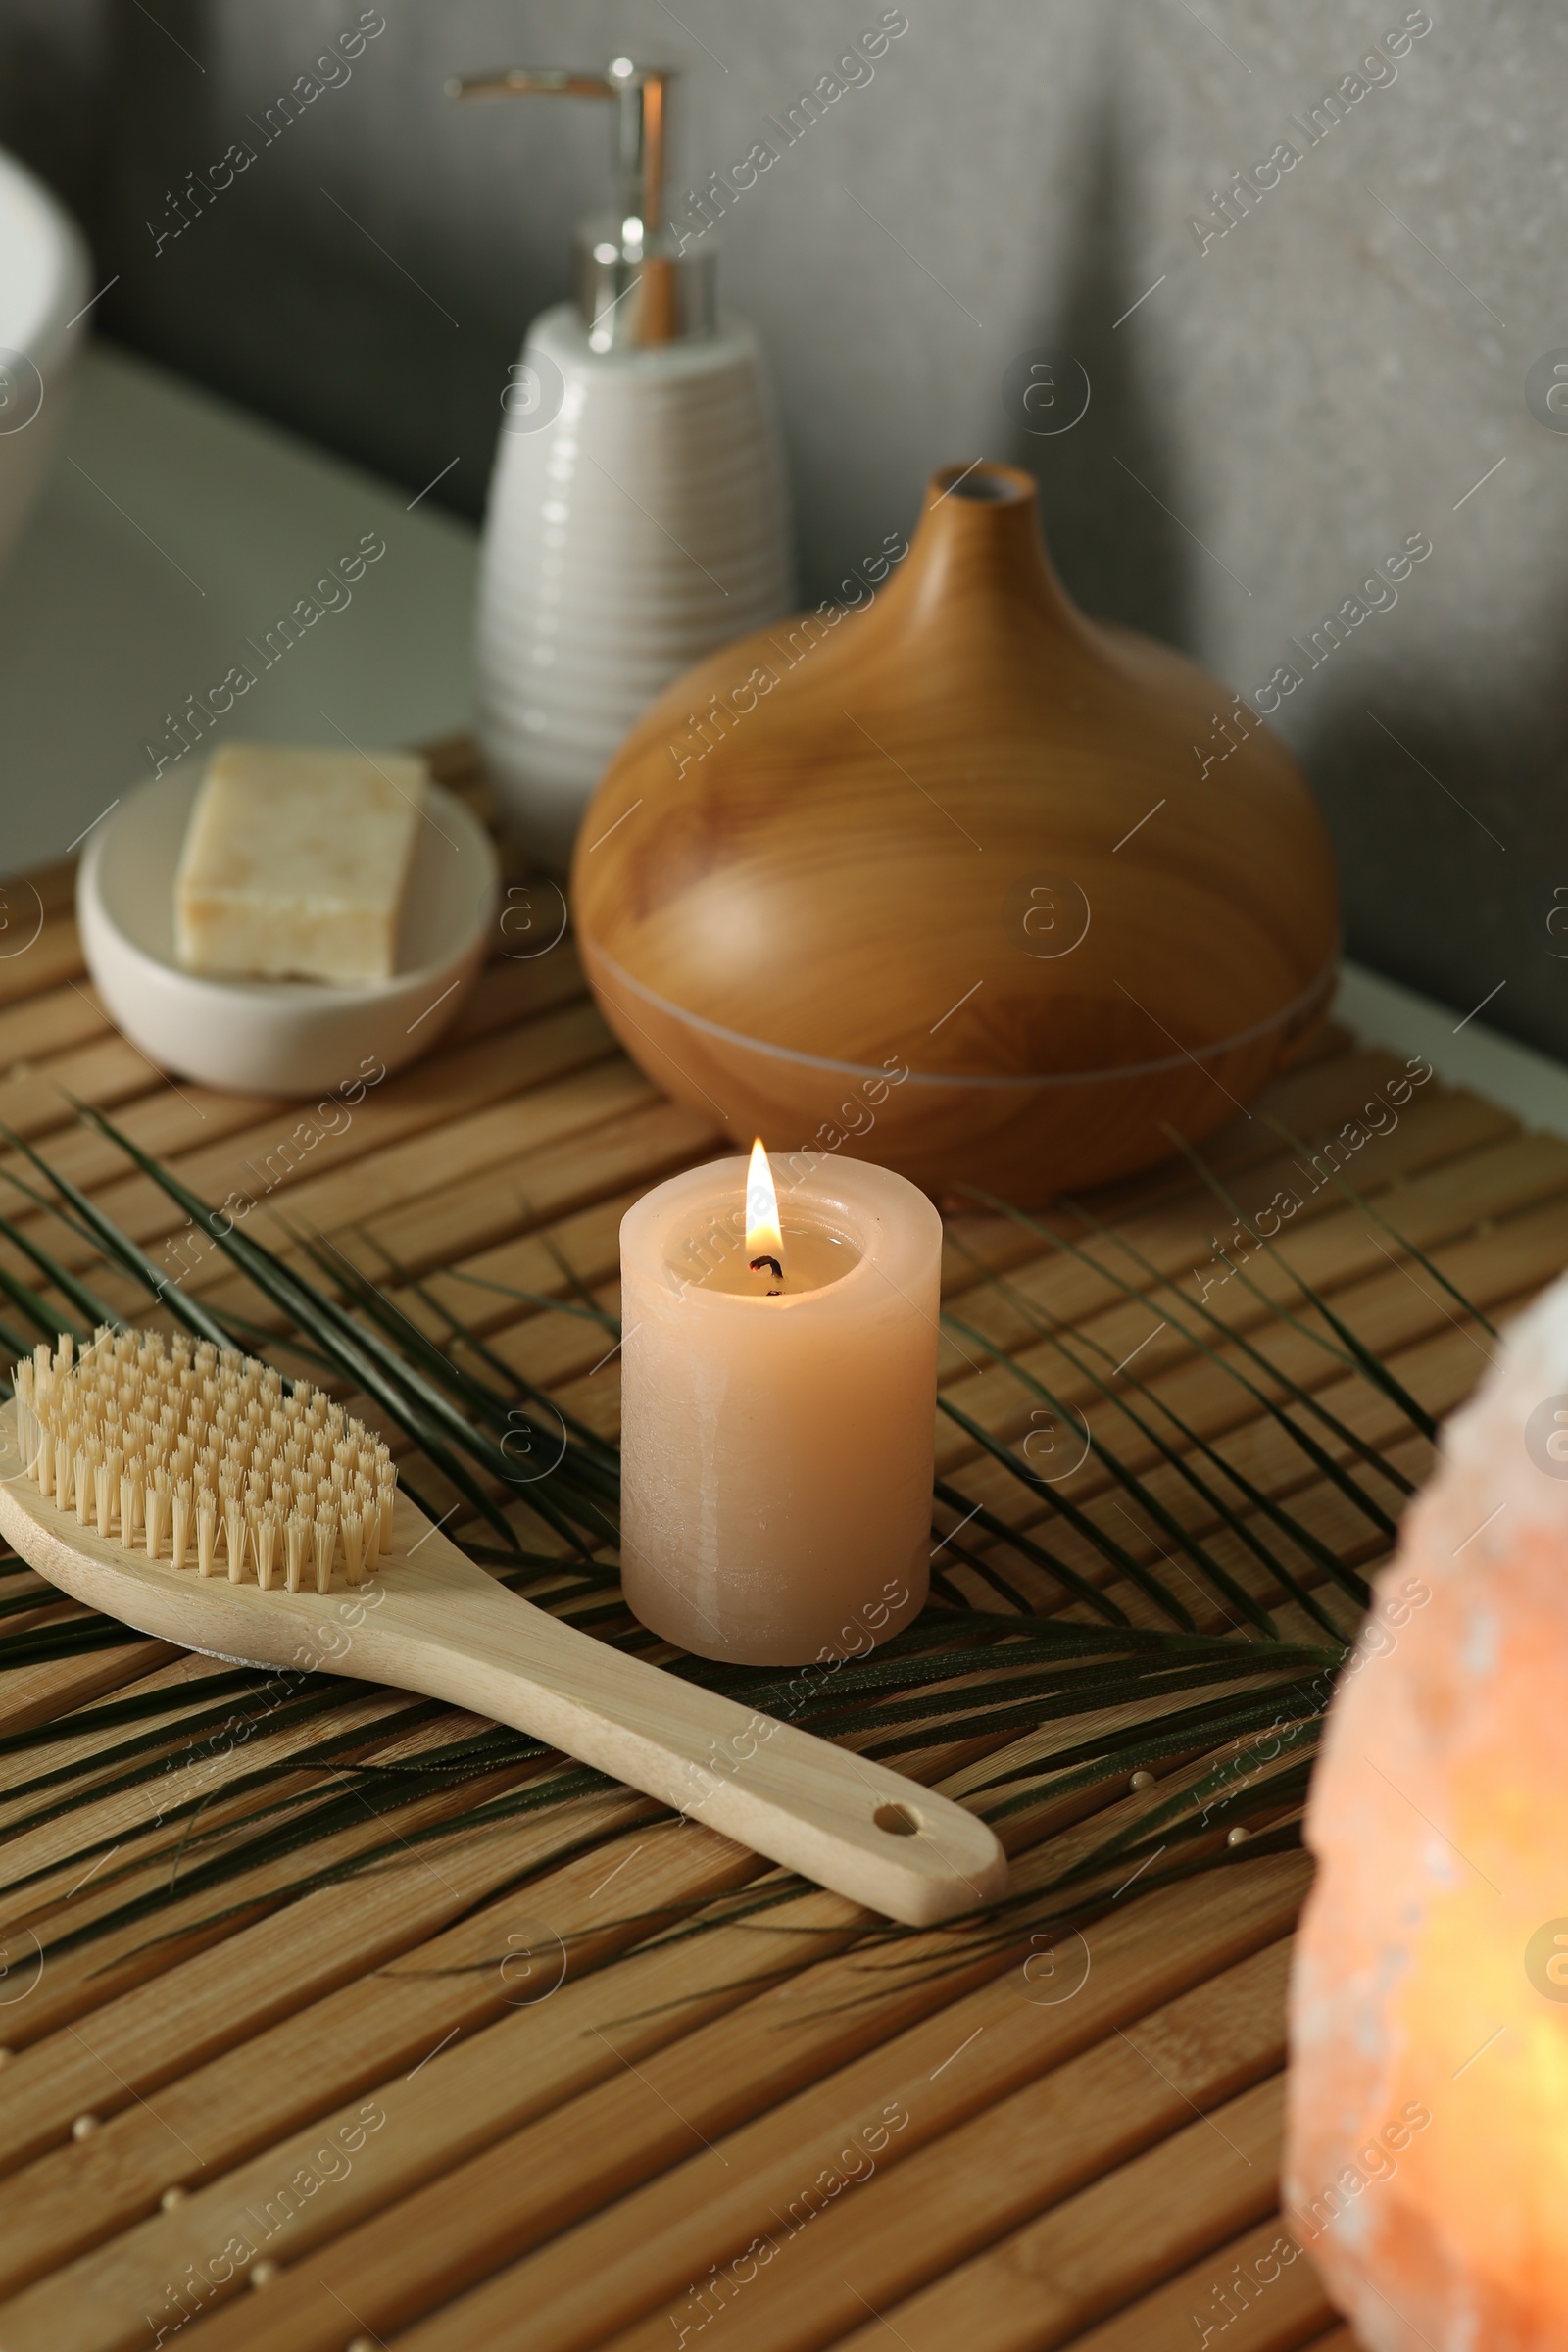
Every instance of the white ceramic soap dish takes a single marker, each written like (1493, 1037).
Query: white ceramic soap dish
(277, 1037)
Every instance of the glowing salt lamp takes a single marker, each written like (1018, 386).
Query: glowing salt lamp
(1427, 2168)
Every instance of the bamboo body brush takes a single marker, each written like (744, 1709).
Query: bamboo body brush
(188, 1493)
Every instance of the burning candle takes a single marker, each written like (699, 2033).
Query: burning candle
(777, 1415)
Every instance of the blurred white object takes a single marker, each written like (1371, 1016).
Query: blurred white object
(637, 514)
(43, 286)
(278, 1037)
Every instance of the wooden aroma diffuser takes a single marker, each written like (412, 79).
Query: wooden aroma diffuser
(958, 881)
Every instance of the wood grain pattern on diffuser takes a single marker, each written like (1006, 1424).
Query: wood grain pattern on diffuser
(964, 833)
(415, 1613)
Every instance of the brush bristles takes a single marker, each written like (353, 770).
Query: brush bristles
(200, 1450)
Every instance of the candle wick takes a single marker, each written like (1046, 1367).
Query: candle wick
(758, 1263)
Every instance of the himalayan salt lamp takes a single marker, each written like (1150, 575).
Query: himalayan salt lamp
(1427, 2168)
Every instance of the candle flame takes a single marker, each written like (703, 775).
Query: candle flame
(762, 1237)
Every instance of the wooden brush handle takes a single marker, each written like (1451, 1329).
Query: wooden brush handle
(839, 1818)
(430, 1621)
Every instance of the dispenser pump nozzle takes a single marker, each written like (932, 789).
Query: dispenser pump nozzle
(634, 283)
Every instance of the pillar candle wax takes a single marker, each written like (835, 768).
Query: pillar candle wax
(778, 1402)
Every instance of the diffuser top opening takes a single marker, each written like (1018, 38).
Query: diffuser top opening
(986, 485)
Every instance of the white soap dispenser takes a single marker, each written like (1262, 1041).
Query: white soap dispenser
(637, 514)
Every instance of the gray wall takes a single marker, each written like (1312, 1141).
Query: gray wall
(1291, 403)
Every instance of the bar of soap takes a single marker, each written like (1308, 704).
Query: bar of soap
(296, 862)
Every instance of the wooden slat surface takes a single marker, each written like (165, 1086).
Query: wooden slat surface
(772, 2134)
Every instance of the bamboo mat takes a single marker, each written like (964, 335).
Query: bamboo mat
(770, 2135)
